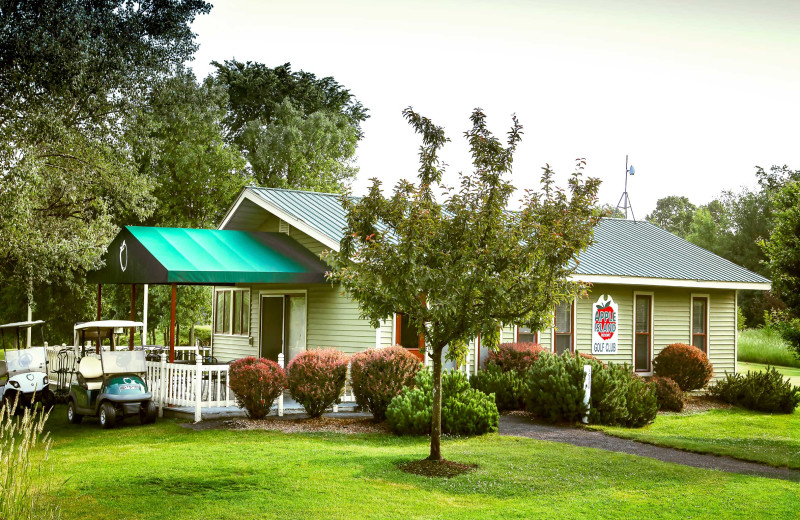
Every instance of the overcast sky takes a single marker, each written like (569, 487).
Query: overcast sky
(696, 92)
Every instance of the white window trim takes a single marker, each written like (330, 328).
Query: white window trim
(708, 320)
(281, 292)
(573, 317)
(735, 332)
(652, 332)
(214, 312)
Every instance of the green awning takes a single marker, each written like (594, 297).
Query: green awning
(157, 255)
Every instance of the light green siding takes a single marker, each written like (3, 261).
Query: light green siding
(671, 322)
(387, 333)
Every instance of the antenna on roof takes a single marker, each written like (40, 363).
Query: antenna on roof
(625, 200)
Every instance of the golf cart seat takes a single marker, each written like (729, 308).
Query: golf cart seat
(92, 371)
(3, 369)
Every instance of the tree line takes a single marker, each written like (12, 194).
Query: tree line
(102, 124)
(758, 229)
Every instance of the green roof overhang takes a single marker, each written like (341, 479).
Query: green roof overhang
(157, 255)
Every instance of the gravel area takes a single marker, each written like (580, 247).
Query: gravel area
(519, 425)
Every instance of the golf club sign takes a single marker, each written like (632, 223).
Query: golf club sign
(604, 330)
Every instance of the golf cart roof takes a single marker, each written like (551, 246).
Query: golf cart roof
(108, 324)
(21, 324)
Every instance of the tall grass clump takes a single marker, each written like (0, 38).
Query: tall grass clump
(24, 451)
(765, 346)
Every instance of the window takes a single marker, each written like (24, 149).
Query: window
(563, 333)
(232, 311)
(526, 335)
(700, 323)
(643, 333)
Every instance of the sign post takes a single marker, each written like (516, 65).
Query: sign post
(587, 391)
(604, 326)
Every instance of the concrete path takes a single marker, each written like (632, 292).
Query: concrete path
(523, 427)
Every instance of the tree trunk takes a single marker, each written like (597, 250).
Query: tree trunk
(191, 335)
(436, 419)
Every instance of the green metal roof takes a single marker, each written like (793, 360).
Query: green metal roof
(206, 256)
(641, 249)
(622, 247)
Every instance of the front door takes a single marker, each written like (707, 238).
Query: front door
(272, 326)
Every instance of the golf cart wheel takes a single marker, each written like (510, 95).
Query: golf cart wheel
(108, 415)
(48, 399)
(148, 413)
(73, 416)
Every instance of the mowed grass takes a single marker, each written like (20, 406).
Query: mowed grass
(744, 434)
(765, 347)
(166, 471)
(791, 373)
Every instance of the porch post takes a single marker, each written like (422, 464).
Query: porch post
(172, 327)
(144, 317)
(198, 388)
(133, 314)
(99, 300)
(162, 384)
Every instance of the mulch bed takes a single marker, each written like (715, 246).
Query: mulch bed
(703, 403)
(436, 468)
(306, 425)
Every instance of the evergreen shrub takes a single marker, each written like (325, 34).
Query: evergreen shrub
(378, 375)
(766, 391)
(317, 378)
(508, 387)
(554, 388)
(256, 383)
(686, 365)
(465, 411)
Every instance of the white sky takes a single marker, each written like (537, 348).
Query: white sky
(697, 92)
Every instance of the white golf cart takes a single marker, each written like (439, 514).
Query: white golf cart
(23, 372)
(111, 383)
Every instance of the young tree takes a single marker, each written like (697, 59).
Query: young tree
(466, 266)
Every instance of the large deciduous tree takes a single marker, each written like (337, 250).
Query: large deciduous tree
(674, 214)
(73, 74)
(295, 130)
(465, 266)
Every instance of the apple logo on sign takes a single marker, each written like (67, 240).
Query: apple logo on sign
(123, 256)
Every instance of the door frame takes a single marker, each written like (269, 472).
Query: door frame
(273, 293)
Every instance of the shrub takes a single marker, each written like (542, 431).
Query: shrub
(515, 356)
(465, 411)
(378, 375)
(686, 365)
(590, 357)
(508, 387)
(316, 379)
(609, 398)
(554, 388)
(764, 391)
(668, 394)
(641, 402)
(256, 382)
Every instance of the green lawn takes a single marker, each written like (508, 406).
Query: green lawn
(791, 372)
(743, 434)
(766, 347)
(165, 471)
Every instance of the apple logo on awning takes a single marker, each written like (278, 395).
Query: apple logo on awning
(123, 256)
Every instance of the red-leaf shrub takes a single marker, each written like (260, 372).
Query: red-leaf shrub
(668, 394)
(316, 379)
(589, 356)
(256, 383)
(378, 375)
(515, 356)
(686, 365)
